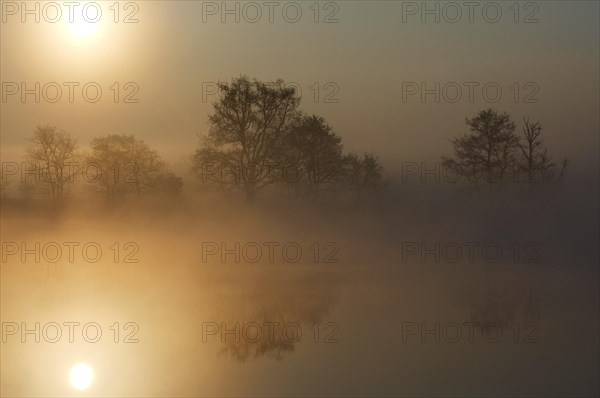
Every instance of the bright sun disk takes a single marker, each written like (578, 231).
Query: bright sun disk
(81, 376)
(82, 28)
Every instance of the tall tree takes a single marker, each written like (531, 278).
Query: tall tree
(486, 152)
(535, 160)
(53, 154)
(247, 125)
(315, 152)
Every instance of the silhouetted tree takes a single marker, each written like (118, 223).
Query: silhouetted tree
(536, 163)
(53, 157)
(247, 126)
(166, 183)
(125, 164)
(363, 174)
(487, 151)
(314, 152)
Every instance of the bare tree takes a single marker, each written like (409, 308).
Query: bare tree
(126, 165)
(363, 174)
(529, 149)
(536, 162)
(53, 154)
(487, 151)
(247, 126)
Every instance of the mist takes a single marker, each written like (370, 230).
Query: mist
(285, 204)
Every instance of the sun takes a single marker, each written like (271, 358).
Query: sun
(82, 28)
(81, 376)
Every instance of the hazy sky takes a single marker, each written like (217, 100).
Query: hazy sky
(363, 61)
(360, 72)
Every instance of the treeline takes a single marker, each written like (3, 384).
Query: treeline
(493, 155)
(259, 140)
(114, 166)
